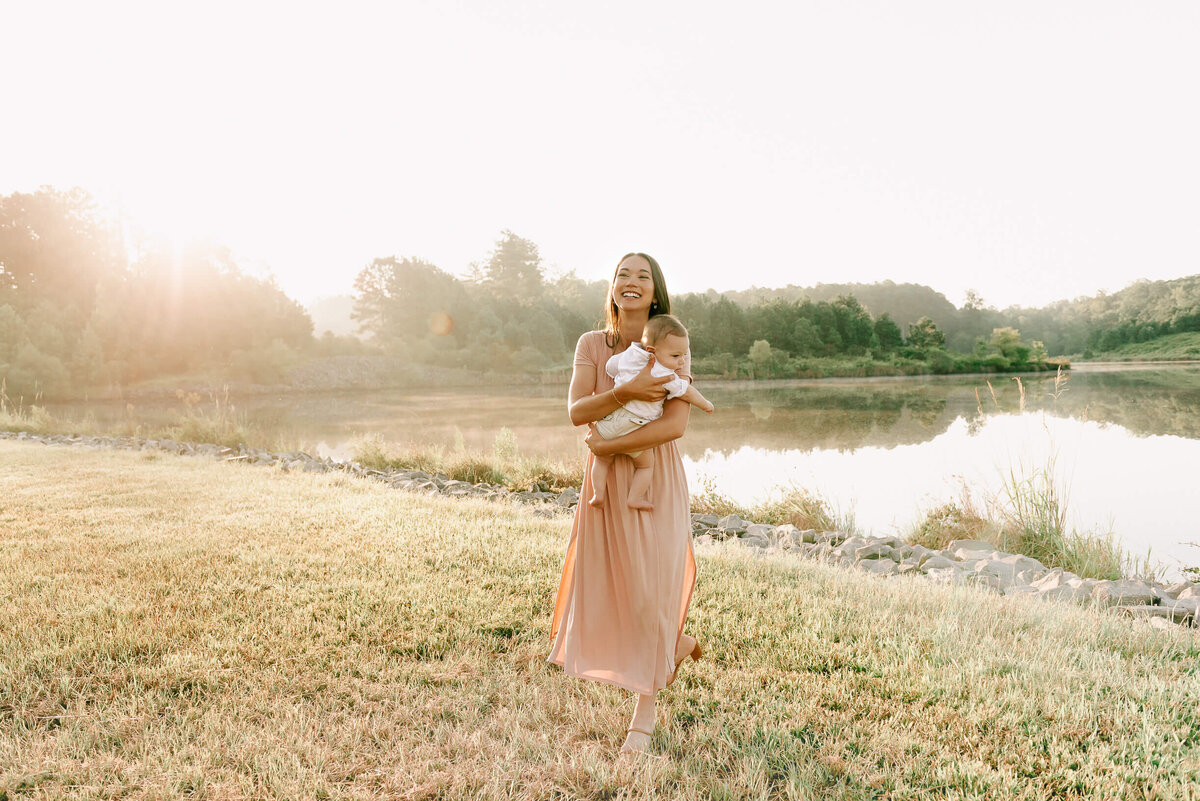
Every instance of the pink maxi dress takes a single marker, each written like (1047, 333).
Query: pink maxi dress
(628, 575)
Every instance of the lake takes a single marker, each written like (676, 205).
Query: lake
(1123, 441)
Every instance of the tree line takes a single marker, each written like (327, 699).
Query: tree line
(78, 311)
(506, 314)
(82, 307)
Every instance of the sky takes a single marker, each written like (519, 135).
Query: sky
(1030, 151)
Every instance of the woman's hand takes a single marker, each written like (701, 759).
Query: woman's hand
(645, 387)
(596, 443)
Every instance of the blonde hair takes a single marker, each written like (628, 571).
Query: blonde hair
(661, 325)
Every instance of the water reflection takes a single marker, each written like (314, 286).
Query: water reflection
(888, 447)
(1142, 488)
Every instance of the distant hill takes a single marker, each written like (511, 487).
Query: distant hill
(1105, 323)
(904, 303)
(333, 314)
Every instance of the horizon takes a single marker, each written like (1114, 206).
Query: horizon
(1033, 154)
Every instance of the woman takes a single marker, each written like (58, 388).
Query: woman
(628, 575)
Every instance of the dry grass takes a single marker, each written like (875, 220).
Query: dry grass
(802, 508)
(505, 465)
(178, 628)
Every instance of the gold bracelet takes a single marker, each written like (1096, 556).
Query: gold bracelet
(614, 394)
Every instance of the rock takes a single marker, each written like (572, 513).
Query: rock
(945, 575)
(938, 562)
(1192, 591)
(1003, 571)
(1020, 589)
(1065, 592)
(971, 555)
(1160, 623)
(875, 550)
(1191, 605)
(985, 580)
(1029, 576)
(833, 537)
(1021, 563)
(1123, 593)
(908, 566)
(754, 541)
(703, 539)
(848, 546)
(706, 520)
(970, 545)
(880, 567)
(732, 524)
(788, 531)
(760, 530)
(1176, 614)
(1054, 578)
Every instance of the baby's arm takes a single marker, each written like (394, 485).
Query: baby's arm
(694, 397)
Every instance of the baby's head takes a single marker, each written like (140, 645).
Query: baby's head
(667, 339)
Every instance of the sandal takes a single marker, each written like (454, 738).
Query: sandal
(645, 750)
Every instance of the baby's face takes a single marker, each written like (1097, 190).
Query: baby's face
(670, 351)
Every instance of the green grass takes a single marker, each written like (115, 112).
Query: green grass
(1028, 516)
(180, 628)
(1172, 347)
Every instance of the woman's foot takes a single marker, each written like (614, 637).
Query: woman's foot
(637, 737)
(636, 742)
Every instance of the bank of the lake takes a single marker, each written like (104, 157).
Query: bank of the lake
(368, 372)
(189, 628)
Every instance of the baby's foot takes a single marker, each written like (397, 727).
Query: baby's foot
(708, 407)
(643, 505)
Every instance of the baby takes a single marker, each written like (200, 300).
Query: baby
(667, 339)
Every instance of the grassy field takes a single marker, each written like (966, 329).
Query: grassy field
(1173, 347)
(179, 628)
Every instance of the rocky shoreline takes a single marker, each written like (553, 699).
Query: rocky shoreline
(966, 562)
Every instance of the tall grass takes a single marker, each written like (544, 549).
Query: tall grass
(214, 419)
(800, 507)
(504, 465)
(1028, 515)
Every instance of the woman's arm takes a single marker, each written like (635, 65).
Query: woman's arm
(584, 407)
(665, 429)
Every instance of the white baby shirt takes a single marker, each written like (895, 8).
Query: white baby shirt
(627, 364)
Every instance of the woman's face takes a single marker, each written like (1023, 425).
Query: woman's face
(633, 285)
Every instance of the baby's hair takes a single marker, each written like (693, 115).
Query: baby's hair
(659, 326)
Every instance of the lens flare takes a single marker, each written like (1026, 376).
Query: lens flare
(441, 324)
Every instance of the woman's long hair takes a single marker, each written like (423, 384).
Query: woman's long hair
(612, 313)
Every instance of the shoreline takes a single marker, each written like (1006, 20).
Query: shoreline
(963, 562)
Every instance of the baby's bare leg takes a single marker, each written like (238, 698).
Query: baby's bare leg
(600, 466)
(639, 485)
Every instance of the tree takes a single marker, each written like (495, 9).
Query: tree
(888, 333)
(1007, 342)
(514, 269)
(54, 247)
(760, 357)
(973, 301)
(924, 334)
(396, 298)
